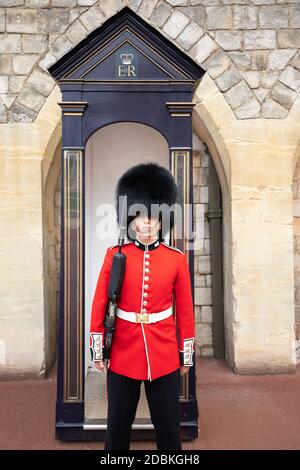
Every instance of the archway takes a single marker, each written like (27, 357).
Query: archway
(51, 221)
(296, 237)
(206, 130)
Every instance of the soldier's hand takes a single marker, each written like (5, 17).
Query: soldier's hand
(184, 369)
(100, 365)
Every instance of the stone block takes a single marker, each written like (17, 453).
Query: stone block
(21, 21)
(288, 38)
(278, 59)
(219, 17)
(22, 64)
(283, 95)
(175, 24)
(53, 21)
(5, 64)
(291, 78)
(203, 49)
(275, 16)
(228, 79)
(34, 43)
(248, 110)
(10, 43)
(3, 84)
(203, 296)
(160, 14)
(190, 35)
(273, 110)
(238, 94)
(229, 40)
(20, 113)
(41, 82)
(146, 8)
(110, 7)
(92, 18)
(217, 63)
(265, 39)
(245, 17)
(76, 32)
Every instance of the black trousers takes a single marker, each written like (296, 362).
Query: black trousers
(162, 395)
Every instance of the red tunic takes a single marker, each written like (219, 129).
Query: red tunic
(153, 274)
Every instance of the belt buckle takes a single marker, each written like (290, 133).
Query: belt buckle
(142, 317)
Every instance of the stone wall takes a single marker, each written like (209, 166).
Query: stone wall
(296, 229)
(247, 112)
(250, 48)
(57, 223)
(202, 265)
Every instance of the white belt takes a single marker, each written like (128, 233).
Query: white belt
(144, 317)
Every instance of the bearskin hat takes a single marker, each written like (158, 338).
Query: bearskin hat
(146, 184)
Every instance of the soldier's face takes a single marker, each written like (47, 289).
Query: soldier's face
(146, 226)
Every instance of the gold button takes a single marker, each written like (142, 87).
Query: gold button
(145, 302)
(145, 294)
(144, 310)
(146, 263)
(147, 270)
(146, 278)
(146, 286)
(147, 255)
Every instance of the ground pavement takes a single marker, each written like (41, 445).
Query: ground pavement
(236, 412)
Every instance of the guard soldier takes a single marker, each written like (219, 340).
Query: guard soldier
(145, 345)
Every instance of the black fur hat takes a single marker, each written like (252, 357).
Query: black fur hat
(146, 184)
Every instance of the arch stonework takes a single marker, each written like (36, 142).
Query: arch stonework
(255, 160)
(261, 81)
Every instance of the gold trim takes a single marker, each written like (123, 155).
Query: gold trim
(185, 155)
(80, 283)
(118, 33)
(66, 274)
(70, 187)
(130, 82)
(181, 114)
(177, 104)
(72, 114)
(180, 148)
(73, 148)
(72, 103)
(117, 47)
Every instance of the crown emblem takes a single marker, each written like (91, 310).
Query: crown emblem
(126, 58)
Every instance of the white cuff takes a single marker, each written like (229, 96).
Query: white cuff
(187, 353)
(97, 346)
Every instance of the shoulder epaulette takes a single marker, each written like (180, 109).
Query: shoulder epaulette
(172, 248)
(112, 246)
